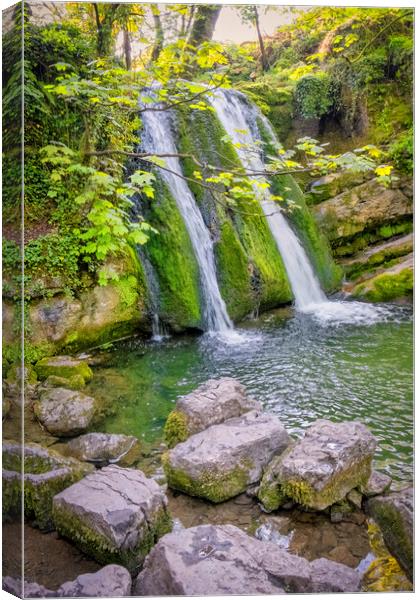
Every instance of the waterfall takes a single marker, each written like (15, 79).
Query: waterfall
(239, 119)
(158, 138)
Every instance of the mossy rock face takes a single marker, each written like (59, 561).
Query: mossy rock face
(320, 469)
(115, 515)
(221, 461)
(394, 515)
(64, 367)
(171, 254)
(75, 382)
(393, 284)
(45, 473)
(250, 270)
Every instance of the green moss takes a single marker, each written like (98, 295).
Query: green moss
(101, 548)
(174, 262)
(50, 366)
(75, 382)
(271, 495)
(250, 270)
(386, 287)
(384, 258)
(176, 428)
(214, 485)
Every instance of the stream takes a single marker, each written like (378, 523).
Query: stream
(299, 366)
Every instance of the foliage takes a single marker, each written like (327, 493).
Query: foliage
(312, 95)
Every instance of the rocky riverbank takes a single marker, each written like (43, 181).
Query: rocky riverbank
(285, 515)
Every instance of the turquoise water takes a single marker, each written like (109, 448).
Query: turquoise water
(299, 369)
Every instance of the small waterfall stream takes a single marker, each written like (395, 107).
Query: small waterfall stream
(158, 138)
(238, 118)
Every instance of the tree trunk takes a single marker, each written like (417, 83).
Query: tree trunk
(104, 28)
(127, 49)
(159, 35)
(204, 23)
(264, 62)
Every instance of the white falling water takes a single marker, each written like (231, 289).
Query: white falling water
(158, 139)
(239, 119)
(232, 113)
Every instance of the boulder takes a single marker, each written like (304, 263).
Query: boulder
(223, 460)
(385, 285)
(75, 382)
(320, 469)
(63, 366)
(64, 412)
(378, 483)
(103, 448)
(111, 581)
(213, 402)
(13, 585)
(45, 474)
(394, 515)
(114, 515)
(223, 560)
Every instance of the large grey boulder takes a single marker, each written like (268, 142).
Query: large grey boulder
(103, 448)
(213, 402)
(45, 473)
(319, 470)
(212, 560)
(65, 412)
(222, 461)
(111, 581)
(394, 515)
(114, 515)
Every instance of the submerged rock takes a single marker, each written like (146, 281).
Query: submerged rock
(319, 470)
(63, 366)
(64, 412)
(75, 382)
(105, 448)
(394, 515)
(114, 515)
(215, 560)
(13, 585)
(213, 402)
(111, 581)
(222, 461)
(45, 474)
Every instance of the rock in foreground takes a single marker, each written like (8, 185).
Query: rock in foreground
(394, 515)
(222, 461)
(213, 560)
(111, 581)
(114, 515)
(65, 412)
(319, 470)
(45, 474)
(105, 448)
(213, 402)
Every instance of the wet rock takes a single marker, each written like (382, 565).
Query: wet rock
(75, 382)
(378, 483)
(320, 469)
(5, 405)
(16, 378)
(13, 586)
(114, 515)
(111, 581)
(394, 515)
(222, 461)
(214, 560)
(213, 402)
(103, 448)
(63, 366)
(64, 412)
(45, 474)
(355, 498)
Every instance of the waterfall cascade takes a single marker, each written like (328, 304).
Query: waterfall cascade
(158, 138)
(239, 119)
